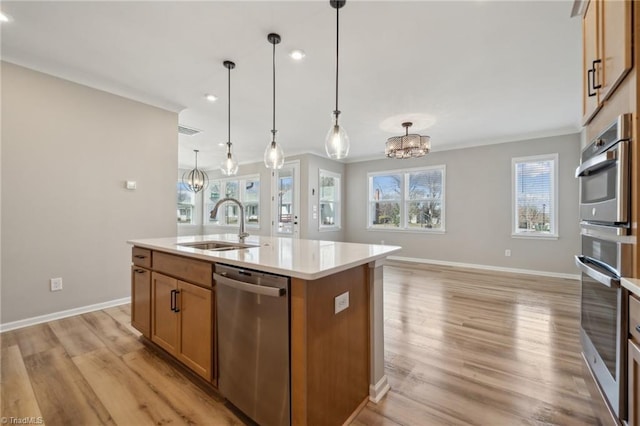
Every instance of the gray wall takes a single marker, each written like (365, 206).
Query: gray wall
(314, 164)
(66, 152)
(479, 179)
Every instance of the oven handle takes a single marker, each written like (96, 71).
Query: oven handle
(596, 163)
(603, 279)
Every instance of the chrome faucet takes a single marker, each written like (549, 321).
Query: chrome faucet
(241, 235)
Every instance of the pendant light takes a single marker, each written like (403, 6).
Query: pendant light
(407, 146)
(229, 166)
(337, 141)
(196, 180)
(273, 154)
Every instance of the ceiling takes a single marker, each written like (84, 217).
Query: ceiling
(469, 72)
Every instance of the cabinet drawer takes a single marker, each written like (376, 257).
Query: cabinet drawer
(191, 270)
(634, 317)
(141, 257)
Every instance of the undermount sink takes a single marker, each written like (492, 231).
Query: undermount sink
(217, 246)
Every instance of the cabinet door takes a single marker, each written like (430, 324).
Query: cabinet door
(590, 40)
(141, 300)
(616, 44)
(634, 384)
(196, 328)
(165, 320)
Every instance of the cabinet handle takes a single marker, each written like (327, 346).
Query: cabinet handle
(173, 300)
(593, 67)
(140, 256)
(589, 80)
(175, 303)
(139, 271)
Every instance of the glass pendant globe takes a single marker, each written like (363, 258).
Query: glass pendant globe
(337, 142)
(229, 166)
(274, 156)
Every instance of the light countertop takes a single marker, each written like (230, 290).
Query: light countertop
(631, 284)
(304, 259)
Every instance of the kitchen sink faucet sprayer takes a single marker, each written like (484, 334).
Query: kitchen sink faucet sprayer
(241, 235)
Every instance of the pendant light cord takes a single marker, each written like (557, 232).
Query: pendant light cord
(337, 56)
(229, 114)
(273, 129)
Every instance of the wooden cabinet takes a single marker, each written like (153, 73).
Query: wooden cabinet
(141, 300)
(633, 357)
(607, 51)
(183, 322)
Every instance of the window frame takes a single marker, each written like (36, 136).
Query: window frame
(337, 202)
(404, 200)
(194, 206)
(241, 180)
(554, 232)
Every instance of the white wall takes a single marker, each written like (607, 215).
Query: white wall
(478, 180)
(312, 186)
(67, 150)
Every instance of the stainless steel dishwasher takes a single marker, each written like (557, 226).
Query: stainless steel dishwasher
(253, 343)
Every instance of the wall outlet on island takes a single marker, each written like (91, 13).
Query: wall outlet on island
(507, 252)
(341, 302)
(56, 284)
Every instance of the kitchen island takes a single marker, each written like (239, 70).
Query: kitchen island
(335, 299)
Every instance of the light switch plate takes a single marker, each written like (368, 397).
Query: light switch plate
(341, 302)
(131, 184)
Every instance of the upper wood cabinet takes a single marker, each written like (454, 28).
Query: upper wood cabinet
(607, 51)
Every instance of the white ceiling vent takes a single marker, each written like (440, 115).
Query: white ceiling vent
(188, 131)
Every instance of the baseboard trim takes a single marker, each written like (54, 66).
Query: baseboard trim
(62, 314)
(485, 267)
(379, 390)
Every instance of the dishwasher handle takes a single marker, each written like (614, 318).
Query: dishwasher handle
(252, 288)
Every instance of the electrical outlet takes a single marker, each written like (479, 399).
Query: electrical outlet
(56, 284)
(507, 252)
(341, 302)
(382, 242)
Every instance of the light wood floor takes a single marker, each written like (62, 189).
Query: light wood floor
(463, 347)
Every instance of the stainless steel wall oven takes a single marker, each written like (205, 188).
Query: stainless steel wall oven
(604, 174)
(604, 178)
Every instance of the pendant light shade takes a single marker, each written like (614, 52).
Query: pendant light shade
(229, 165)
(196, 180)
(407, 146)
(337, 141)
(273, 154)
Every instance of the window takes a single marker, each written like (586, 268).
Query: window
(407, 200)
(245, 189)
(329, 195)
(186, 204)
(535, 195)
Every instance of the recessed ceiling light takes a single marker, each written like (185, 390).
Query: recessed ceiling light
(211, 98)
(297, 55)
(221, 144)
(4, 17)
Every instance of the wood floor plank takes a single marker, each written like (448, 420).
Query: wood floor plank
(187, 399)
(116, 336)
(63, 394)
(122, 314)
(76, 337)
(16, 392)
(36, 338)
(129, 400)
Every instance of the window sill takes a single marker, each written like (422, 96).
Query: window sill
(407, 230)
(329, 229)
(534, 236)
(232, 226)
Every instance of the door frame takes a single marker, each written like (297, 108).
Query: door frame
(295, 165)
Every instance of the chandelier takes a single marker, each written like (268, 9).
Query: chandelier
(196, 180)
(407, 146)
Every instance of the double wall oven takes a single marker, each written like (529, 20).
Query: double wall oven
(604, 175)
